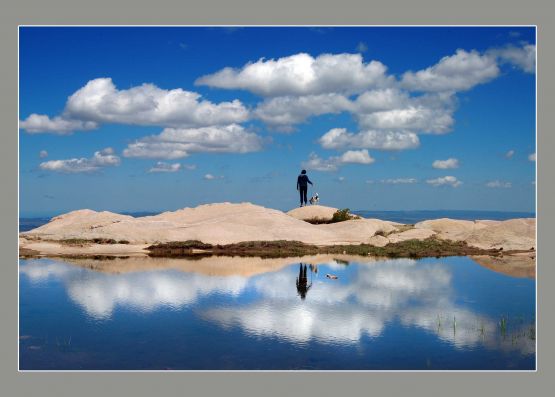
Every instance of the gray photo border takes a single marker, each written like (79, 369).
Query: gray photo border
(283, 12)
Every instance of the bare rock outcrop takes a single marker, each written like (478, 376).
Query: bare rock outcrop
(221, 223)
(512, 234)
(313, 212)
(228, 223)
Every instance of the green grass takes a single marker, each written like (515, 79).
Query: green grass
(104, 241)
(342, 215)
(189, 244)
(179, 248)
(283, 248)
(532, 332)
(430, 247)
(503, 326)
(338, 216)
(82, 241)
(74, 241)
(318, 221)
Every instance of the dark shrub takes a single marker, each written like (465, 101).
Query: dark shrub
(341, 215)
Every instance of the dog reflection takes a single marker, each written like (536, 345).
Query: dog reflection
(302, 282)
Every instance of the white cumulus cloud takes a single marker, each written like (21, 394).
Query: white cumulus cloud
(211, 177)
(43, 154)
(458, 72)
(381, 99)
(532, 157)
(40, 123)
(522, 57)
(356, 157)
(393, 109)
(444, 181)
(333, 163)
(340, 138)
(100, 159)
(446, 164)
(510, 154)
(99, 101)
(390, 112)
(499, 184)
(301, 74)
(165, 167)
(399, 181)
(317, 163)
(420, 118)
(290, 110)
(174, 143)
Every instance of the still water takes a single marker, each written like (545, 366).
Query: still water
(274, 314)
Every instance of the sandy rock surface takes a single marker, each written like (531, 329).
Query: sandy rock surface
(313, 212)
(355, 231)
(451, 229)
(412, 234)
(512, 234)
(227, 223)
(378, 241)
(222, 223)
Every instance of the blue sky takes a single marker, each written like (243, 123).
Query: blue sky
(383, 118)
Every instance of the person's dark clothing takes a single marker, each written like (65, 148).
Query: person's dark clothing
(302, 180)
(302, 282)
(303, 192)
(302, 187)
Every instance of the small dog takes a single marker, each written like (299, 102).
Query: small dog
(314, 199)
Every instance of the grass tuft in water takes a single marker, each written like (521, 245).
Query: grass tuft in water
(503, 325)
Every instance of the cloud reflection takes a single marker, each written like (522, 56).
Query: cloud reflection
(414, 293)
(100, 293)
(363, 301)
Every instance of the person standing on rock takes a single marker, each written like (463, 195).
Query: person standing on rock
(302, 186)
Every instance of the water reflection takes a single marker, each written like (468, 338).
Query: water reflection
(366, 298)
(302, 282)
(100, 293)
(416, 294)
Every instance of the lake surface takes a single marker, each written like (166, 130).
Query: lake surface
(249, 313)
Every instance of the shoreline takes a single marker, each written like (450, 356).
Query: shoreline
(219, 260)
(430, 247)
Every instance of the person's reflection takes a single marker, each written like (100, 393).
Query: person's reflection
(302, 282)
